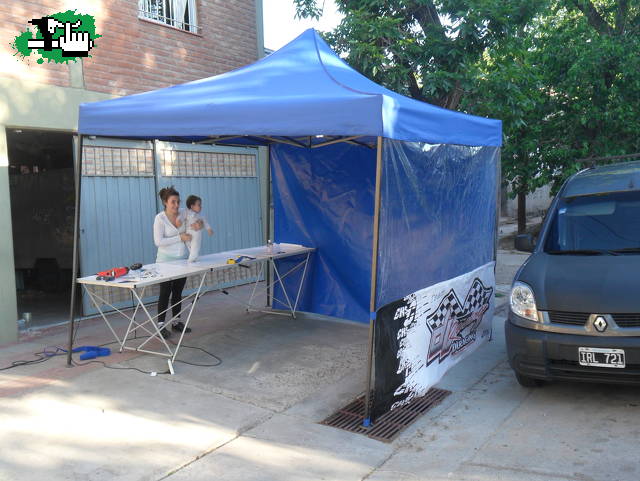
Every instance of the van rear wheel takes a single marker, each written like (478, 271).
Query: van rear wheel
(526, 381)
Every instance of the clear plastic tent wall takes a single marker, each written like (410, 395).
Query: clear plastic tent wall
(438, 214)
(437, 218)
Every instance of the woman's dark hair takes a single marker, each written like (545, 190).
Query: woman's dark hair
(192, 199)
(167, 192)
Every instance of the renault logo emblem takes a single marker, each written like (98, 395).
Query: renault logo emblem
(600, 324)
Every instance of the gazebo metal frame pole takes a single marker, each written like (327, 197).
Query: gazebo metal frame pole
(497, 220)
(498, 189)
(268, 221)
(76, 245)
(374, 279)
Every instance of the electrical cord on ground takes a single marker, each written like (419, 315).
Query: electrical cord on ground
(41, 356)
(104, 364)
(199, 349)
(46, 354)
(218, 359)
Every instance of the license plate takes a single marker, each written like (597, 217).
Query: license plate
(601, 357)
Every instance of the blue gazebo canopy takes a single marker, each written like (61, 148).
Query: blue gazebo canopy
(411, 205)
(303, 89)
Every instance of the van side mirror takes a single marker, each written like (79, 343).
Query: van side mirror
(524, 242)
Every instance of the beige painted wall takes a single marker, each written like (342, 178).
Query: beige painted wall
(8, 309)
(35, 105)
(537, 203)
(28, 104)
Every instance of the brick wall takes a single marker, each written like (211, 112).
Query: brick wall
(15, 15)
(136, 55)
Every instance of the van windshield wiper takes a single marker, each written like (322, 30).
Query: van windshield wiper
(584, 252)
(628, 250)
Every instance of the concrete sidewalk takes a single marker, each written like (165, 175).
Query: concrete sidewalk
(255, 416)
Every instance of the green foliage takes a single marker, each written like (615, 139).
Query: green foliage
(510, 85)
(589, 57)
(561, 74)
(566, 88)
(422, 48)
(307, 9)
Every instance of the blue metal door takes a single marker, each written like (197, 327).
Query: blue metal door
(120, 181)
(117, 210)
(226, 178)
(227, 181)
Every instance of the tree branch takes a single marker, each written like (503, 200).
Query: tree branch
(595, 19)
(452, 99)
(621, 16)
(414, 88)
(426, 15)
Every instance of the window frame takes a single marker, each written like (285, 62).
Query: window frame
(170, 21)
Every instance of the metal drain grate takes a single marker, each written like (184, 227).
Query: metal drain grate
(390, 424)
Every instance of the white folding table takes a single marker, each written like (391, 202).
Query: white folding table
(137, 282)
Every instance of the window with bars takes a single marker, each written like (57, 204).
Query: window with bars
(177, 13)
(117, 161)
(176, 163)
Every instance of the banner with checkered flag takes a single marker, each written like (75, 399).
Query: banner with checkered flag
(418, 338)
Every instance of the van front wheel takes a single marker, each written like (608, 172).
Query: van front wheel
(526, 381)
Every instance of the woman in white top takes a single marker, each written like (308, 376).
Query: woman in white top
(169, 236)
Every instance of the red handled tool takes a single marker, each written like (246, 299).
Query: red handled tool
(111, 274)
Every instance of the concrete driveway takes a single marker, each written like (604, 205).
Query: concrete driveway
(255, 416)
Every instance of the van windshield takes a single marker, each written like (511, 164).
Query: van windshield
(596, 224)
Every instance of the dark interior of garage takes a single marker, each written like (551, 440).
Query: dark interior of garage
(42, 214)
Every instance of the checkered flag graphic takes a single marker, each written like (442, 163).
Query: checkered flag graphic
(449, 305)
(477, 297)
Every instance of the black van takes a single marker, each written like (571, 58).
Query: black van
(575, 303)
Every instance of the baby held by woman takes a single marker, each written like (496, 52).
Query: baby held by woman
(192, 215)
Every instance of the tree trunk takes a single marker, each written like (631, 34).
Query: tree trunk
(522, 211)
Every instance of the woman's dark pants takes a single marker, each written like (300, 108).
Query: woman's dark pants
(170, 289)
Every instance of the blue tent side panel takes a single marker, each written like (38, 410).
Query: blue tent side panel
(437, 217)
(324, 198)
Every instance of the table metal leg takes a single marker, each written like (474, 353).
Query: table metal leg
(278, 278)
(133, 321)
(255, 284)
(93, 298)
(186, 324)
(106, 303)
(157, 333)
(154, 330)
(284, 290)
(171, 353)
(304, 273)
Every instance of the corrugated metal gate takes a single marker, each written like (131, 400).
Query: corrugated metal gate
(120, 181)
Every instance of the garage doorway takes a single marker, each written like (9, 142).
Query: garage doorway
(42, 193)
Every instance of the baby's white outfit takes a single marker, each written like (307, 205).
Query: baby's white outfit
(191, 217)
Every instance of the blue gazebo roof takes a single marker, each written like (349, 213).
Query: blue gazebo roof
(303, 89)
